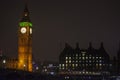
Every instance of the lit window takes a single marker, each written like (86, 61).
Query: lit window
(83, 54)
(100, 64)
(86, 57)
(66, 65)
(90, 57)
(62, 65)
(73, 65)
(86, 72)
(76, 54)
(96, 57)
(76, 65)
(66, 57)
(90, 61)
(100, 60)
(69, 61)
(93, 57)
(83, 58)
(59, 66)
(66, 61)
(79, 57)
(76, 60)
(69, 57)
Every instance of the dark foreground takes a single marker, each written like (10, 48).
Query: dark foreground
(6, 74)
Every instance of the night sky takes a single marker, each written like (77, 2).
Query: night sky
(56, 22)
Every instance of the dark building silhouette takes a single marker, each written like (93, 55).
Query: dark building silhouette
(83, 61)
(118, 60)
(114, 66)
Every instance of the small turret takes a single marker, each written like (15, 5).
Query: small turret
(103, 51)
(90, 46)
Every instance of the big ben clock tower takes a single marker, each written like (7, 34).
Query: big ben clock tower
(25, 42)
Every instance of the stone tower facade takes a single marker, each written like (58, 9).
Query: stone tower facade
(25, 42)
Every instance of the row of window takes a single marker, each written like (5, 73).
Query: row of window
(82, 57)
(83, 61)
(79, 65)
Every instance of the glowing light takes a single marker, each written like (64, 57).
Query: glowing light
(73, 65)
(69, 57)
(100, 64)
(83, 58)
(24, 65)
(21, 61)
(37, 68)
(69, 61)
(45, 70)
(66, 65)
(83, 54)
(66, 57)
(4, 61)
(76, 65)
(66, 61)
(76, 54)
(23, 24)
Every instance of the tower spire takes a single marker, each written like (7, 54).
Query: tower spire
(90, 46)
(26, 6)
(25, 17)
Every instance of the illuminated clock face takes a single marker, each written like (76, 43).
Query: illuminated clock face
(23, 30)
(30, 30)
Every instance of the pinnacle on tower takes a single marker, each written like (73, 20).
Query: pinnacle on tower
(25, 17)
(90, 46)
